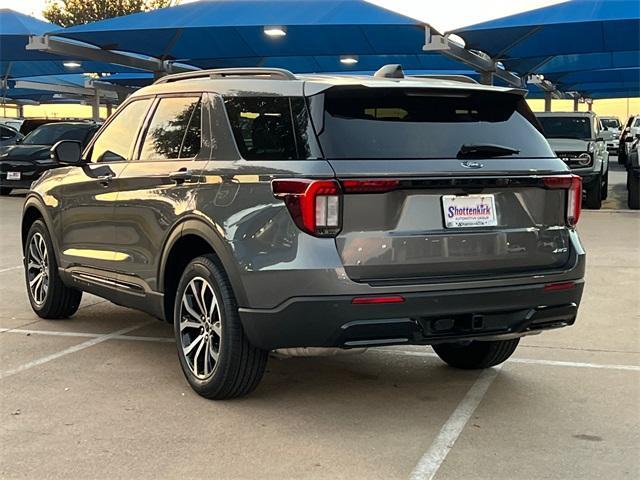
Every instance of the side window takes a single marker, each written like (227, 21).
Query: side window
(115, 142)
(175, 131)
(269, 128)
(6, 133)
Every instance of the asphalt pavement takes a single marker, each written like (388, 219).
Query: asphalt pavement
(102, 396)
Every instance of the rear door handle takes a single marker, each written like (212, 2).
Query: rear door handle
(181, 176)
(105, 180)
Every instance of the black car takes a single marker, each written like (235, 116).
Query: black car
(633, 172)
(24, 162)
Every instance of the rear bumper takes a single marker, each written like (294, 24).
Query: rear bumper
(423, 318)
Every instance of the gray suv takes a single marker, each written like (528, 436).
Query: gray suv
(258, 210)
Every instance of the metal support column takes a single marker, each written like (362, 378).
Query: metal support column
(20, 111)
(547, 101)
(109, 109)
(95, 106)
(576, 101)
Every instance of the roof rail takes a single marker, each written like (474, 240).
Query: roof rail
(454, 77)
(271, 73)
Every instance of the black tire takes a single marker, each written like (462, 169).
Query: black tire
(633, 199)
(622, 158)
(594, 194)
(59, 300)
(605, 185)
(239, 366)
(5, 191)
(476, 355)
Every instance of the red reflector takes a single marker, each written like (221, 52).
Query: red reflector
(369, 186)
(372, 300)
(554, 287)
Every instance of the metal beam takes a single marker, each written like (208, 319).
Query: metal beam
(481, 63)
(80, 51)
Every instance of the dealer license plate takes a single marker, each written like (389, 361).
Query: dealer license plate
(469, 211)
(13, 175)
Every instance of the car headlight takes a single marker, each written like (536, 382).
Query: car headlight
(591, 147)
(584, 159)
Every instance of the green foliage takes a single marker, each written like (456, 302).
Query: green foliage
(76, 12)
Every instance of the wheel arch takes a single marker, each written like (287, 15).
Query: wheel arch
(189, 239)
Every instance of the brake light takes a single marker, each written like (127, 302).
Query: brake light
(314, 205)
(573, 184)
(369, 186)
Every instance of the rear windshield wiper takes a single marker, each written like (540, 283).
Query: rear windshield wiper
(485, 150)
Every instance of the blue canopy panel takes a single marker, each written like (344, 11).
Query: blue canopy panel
(600, 76)
(578, 26)
(234, 31)
(332, 63)
(561, 64)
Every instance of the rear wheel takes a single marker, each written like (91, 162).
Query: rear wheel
(50, 298)
(4, 191)
(474, 354)
(215, 355)
(594, 194)
(633, 185)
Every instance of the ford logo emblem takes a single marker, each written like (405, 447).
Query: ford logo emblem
(471, 164)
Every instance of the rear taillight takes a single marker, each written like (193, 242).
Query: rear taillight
(573, 185)
(314, 204)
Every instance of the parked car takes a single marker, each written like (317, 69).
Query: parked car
(610, 127)
(255, 209)
(631, 128)
(9, 135)
(577, 140)
(633, 172)
(14, 123)
(24, 162)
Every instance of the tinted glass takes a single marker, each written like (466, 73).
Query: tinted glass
(269, 128)
(418, 123)
(54, 132)
(175, 130)
(6, 133)
(636, 123)
(566, 127)
(115, 142)
(610, 122)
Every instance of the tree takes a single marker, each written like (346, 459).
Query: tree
(76, 12)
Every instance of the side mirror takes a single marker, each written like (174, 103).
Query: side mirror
(67, 152)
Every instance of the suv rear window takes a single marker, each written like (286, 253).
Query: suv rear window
(269, 128)
(566, 127)
(394, 123)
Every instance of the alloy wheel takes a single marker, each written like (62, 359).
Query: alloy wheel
(38, 268)
(200, 327)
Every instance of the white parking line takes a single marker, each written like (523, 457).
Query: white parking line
(528, 361)
(8, 269)
(73, 349)
(431, 461)
(55, 333)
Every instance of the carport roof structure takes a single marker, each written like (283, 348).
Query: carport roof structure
(301, 35)
(16, 61)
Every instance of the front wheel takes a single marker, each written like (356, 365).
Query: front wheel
(633, 185)
(50, 298)
(474, 354)
(216, 357)
(605, 185)
(594, 194)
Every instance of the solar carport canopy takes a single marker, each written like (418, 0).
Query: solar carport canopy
(305, 35)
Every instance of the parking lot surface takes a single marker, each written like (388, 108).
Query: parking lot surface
(102, 396)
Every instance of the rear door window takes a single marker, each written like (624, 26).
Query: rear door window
(175, 131)
(269, 128)
(398, 123)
